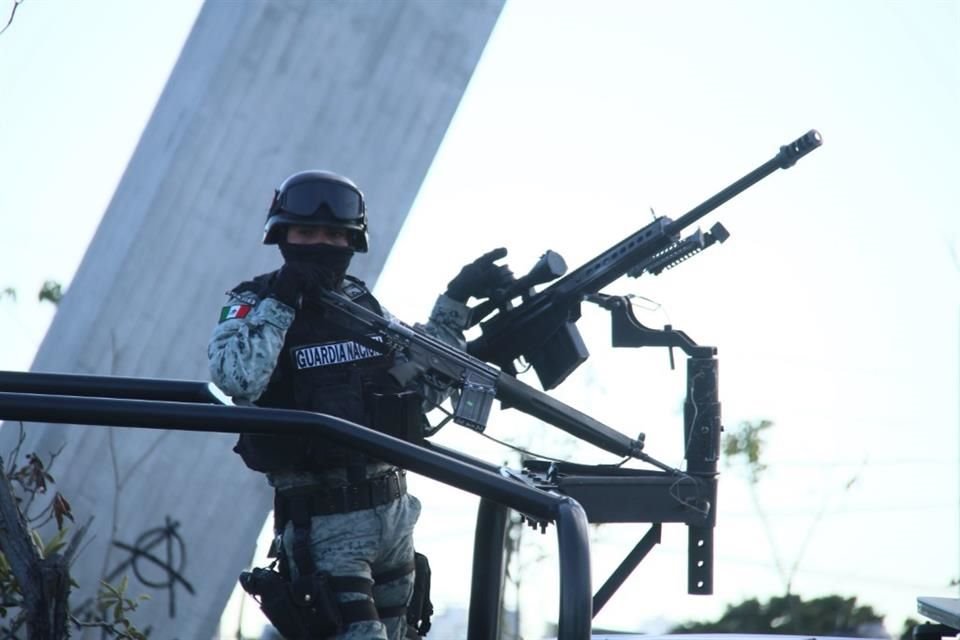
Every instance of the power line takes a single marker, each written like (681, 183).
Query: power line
(885, 581)
(860, 463)
(844, 511)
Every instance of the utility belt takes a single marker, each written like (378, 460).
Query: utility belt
(307, 606)
(301, 503)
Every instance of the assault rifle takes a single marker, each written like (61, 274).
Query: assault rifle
(478, 382)
(542, 328)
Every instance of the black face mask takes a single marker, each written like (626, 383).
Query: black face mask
(330, 261)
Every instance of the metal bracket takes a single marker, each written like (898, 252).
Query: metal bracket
(627, 331)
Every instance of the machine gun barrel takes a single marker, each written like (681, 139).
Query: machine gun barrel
(786, 158)
(542, 329)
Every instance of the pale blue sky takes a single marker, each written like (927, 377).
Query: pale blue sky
(834, 304)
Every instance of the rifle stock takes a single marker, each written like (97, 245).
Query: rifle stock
(542, 329)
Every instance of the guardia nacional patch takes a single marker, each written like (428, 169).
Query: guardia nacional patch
(232, 311)
(333, 353)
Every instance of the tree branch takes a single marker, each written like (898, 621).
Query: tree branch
(45, 583)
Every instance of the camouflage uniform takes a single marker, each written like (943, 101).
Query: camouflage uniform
(243, 353)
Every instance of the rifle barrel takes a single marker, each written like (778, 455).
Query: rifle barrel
(540, 405)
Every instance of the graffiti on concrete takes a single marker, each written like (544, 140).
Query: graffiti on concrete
(158, 559)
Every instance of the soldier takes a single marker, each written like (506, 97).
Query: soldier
(345, 520)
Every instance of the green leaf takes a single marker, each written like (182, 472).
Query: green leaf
(747, 442)
(51, 291)
(37, 541)
(55, 543)
(110, 589)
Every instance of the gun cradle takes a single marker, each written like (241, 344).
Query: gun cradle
(616, 494)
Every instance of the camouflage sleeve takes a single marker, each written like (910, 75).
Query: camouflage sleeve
(447, 322)
(245, 345)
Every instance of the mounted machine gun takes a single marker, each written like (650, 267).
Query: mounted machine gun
(542, 329)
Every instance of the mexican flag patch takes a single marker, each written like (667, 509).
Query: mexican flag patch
(232, 311)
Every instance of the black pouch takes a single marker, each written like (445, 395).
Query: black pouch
(270, 453)
(420, 608)
(305, 609)
(397, 414)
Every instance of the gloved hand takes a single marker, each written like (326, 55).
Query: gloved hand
(481, 277)
(294, 280)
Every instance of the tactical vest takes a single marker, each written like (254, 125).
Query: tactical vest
(324, 366)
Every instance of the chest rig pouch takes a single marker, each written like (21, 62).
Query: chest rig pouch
(329, 366)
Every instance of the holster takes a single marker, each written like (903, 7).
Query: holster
(305, 609)
(420, 608)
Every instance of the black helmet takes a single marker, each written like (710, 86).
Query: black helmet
(319, 198)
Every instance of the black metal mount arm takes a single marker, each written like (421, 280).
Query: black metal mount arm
(615, 494)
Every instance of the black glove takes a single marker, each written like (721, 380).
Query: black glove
(295, 279)
(481, 277)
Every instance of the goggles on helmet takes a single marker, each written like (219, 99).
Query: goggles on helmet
(320, 199)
